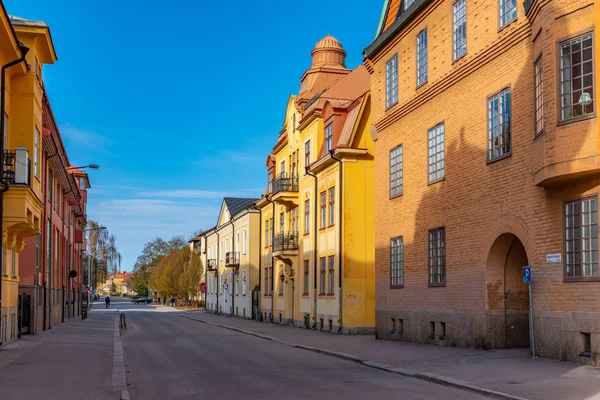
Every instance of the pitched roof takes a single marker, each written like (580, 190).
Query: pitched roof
(235, 205)
(201, 235)
(26, 22)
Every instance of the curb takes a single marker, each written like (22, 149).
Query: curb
(119, 374)
(425, 376)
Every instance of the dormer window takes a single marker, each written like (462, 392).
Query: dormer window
(328, 138)
(81, 184)
(407, 3)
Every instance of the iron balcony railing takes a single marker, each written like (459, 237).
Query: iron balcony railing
(232, 258)
(285, 241)
(285, 183)
(211, 264)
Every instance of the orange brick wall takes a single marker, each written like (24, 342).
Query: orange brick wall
(478, 202)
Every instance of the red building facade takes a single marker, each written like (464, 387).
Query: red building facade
(48, 260)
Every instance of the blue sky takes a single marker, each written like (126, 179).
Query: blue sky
(180, 102)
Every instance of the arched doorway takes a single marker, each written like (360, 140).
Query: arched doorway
(506, 291)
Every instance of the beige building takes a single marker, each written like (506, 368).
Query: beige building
(488, 161)
(230, 258)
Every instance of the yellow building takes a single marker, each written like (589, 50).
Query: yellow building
(317, 214)
(231, 258)
(22, 130)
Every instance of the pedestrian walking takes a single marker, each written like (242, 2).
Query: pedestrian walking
(107, 301)
(172, 302)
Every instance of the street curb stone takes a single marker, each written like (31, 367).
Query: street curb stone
(119, 374)
(425, 376)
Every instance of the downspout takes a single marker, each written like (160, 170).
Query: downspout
(218, 262)
(234, 275)
(24, 51)
(315, 244)
(272, 263)
(341, 239)
(258, 309)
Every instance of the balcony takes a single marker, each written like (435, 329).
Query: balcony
(285, 246)
(232, 258)
(211, 265)
(285, 190)
(22, 207)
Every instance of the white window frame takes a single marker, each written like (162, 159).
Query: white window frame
(244, 282)
(244, 240)
(391, 81)
(459, 29)
(396, 171)
(436, 153)
(328, 138)
(505, 8)
(422, 58)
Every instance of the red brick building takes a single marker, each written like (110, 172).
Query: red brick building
(47, 259)
(488, 160)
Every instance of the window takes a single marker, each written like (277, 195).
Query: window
(36, 152)
(227, 245)
(307, 153)
(266, 291)
(499, 138)
(328, 138)
(391, 82)
(508, 12)
(396, 171)
(581, 238)
(437, 257)
(81, 184)
(323, 197)
(587, 345)
(280, 282)
(237, 242)
(270, 181)
(271, 233)
(306, 217)
(48, 253)
(294, 220)
(331, 280)
(576, 77)
(407, 3)
(282, 167)
(270, 280)
(460, 28)
(436, 153)
(422, 57)
(244, 282)
(306, 282)
(539, 97)
(50, 184)
(281, 222)
(244, 241)
(331, 206)
(221, 252)
(397, 262)
(267, 233)
(322, 276)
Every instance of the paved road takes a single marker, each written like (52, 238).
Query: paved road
(172, 357)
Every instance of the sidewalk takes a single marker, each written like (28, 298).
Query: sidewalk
(73, 360)
(512, 373)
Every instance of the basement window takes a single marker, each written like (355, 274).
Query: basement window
(587, 344)
(443, 330)
(431, 329)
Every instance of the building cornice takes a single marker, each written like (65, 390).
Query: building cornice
(341, 153)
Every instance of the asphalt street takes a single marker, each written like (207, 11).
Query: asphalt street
(170, 357)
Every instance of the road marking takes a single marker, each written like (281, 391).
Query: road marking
(134, 327)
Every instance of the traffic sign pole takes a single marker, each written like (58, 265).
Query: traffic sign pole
(527, 280)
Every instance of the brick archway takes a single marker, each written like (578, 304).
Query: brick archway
(508, 248)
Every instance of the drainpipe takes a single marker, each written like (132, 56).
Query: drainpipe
(24, 50)
(234, 275)
(272, 263)
(341, 238)
(218, 262)
(307, 168)
(258, 309)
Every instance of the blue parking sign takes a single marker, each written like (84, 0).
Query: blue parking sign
(527, 274)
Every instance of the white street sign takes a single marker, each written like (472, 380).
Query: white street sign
(555, 258)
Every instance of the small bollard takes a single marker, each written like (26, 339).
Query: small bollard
(122, 322)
